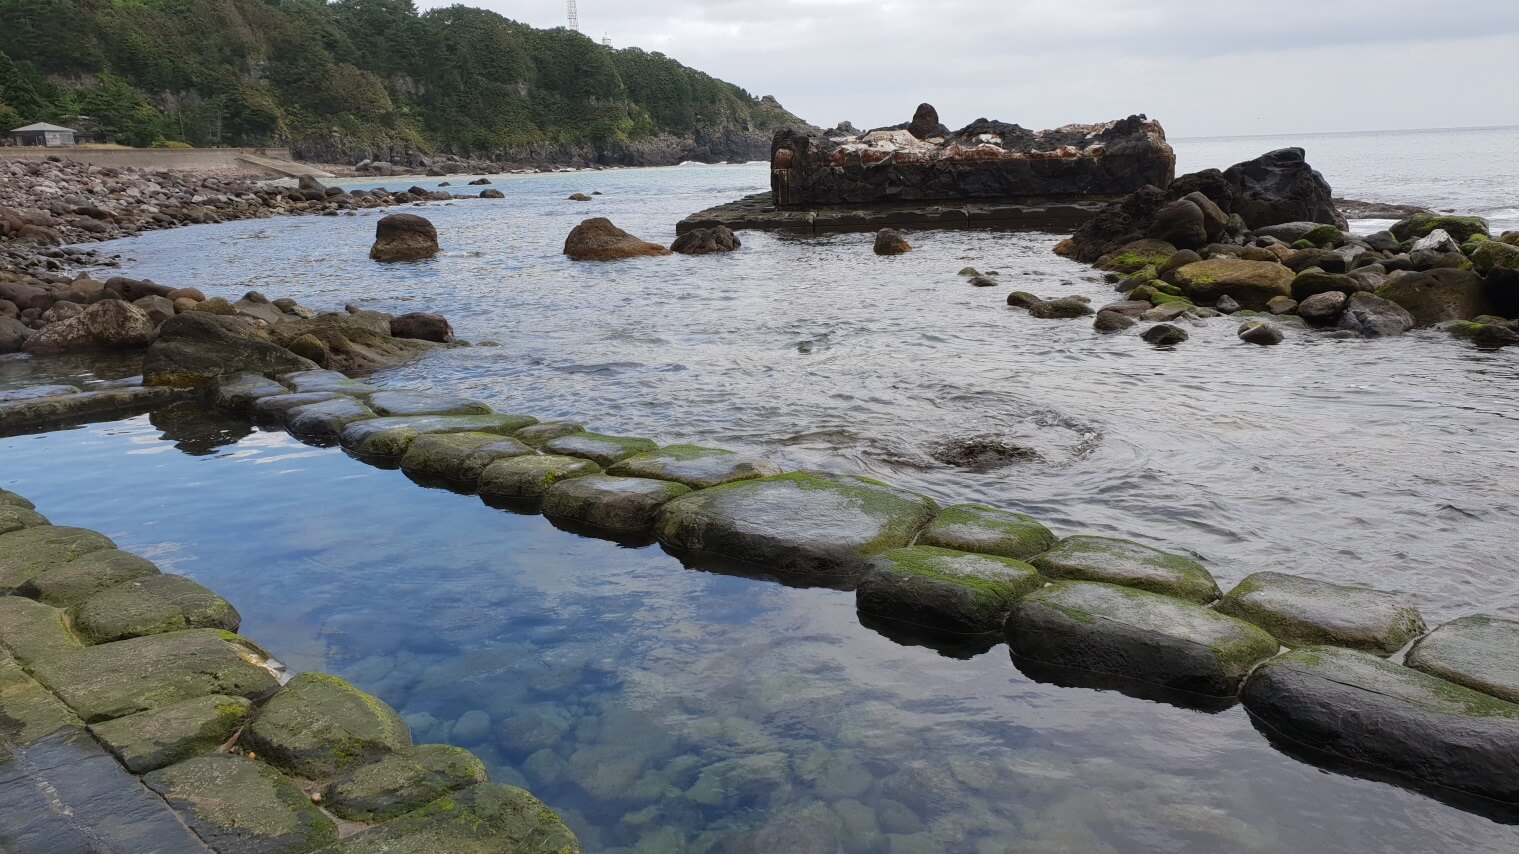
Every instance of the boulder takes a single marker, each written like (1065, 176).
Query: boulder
(1259, 332)
(357, 341)
(319, 727)
(1182, 224)
(528, 478)
(1164, 335)
(405, 403)
(16, 518)
(1281, 305)
(1136, 255)
(1279, 187)
(336, 382)
(1437, 241)
(925, 123)
(1138, 635)
(1366, 709)
(1112, 321)
(696, 467)
(1314, 281)
(35, 549)
(944, 590)
(32, 631)
(326, 420)
(987, 530)
(492, 194)
(1439, 295)
(1371, 316)
(806, 524)
(1461, 228)
(598, 239)
(401, 782)
(195, 348)
(237, 804)
(579, 197)
(535, 435)
(1323, 309)
(1479, 651)
(1064, 308)
(1252, 284)
(423, 326)
(238, 392)
(484, 819)
(149, 605)
(1303, 612)
(459, 457)
(610, 503)
(274, 407)
(599, 448)
(107, 325)
(1114, 561)
(889, 241)
(148, 741)
(13, 335)
(706, 241)
(403, 237)
(1491, 254)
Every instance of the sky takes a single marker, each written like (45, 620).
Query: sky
(1202, 67)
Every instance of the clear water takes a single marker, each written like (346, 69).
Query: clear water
(610, 680)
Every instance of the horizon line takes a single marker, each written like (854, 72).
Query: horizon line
(1345, 132)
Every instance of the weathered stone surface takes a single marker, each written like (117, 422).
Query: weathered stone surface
(485, 819)
(66, 584)
(599, 448)
(126, 677)
(27, 552)
(1479, 652)
(353, 342)
(597, 239)
(1461, 228)
(31, 630)
(11, 499)
(944, 590)
(1259, 332)
(319, 726)
(406, 403)
(148, 741)
(1323, 309)
(196, 347)
(403, 237)
(610, 503)
(530, 478)
(327, 419)
(16, 518)
(1136, 255)
(694, 466)
(23, 414)
(1137, 634)
(337, 382)
(889, 241)
(1365, 708)
(1371, 316)
(151, 605)
(1278, 187)
(707, 241)
(1114, 561)
(1314, 281)
(28, 711)
(978, 528)
(1252, 284)
(402, 782)
(1164, 335)
(237, 804)
(459, 456)
(536, 434)
(1435, 296)
(424, 326)
(274, 407)
(36, 391)
(1303, 612)
(391, 437)
(803, 523)
(106, 325)
(238, 392)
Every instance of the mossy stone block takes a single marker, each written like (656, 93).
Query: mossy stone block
(390, 438)
(403, 403)
(31, 630)
(238, 804)
(319, 726)
(599, 448)
(1479, 652)
(333, 381)
(695, 466)
(70, 583)
(987, 530)
(28, 711)
(326, 420)
(151, 605)
(485, 819)
(274, 407)
(401, 782)
(1115, 561)
(459, 456)
(238, 392)
(11, 499)
(944, 590)
(148, 741)
(13, 518)
(611, 503)
(537, 434)
(531, 477)
(26, 552)
(1305, 612)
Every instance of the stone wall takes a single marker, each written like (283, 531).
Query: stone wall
(178, 159)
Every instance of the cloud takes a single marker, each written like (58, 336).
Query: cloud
(1202, 68)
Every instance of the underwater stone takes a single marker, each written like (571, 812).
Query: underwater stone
(1137, 634)
(1304, 612)
(239, 392)
(599, 448)
(1115, 561)
(744, 778)
(402, 782)
(31, 630)
(531, 477)
(1479, 652)
(319, 726)
(238, 804)
(1362, 707)
(694, 466)
(611, 503)
(400, 403)
(485, 819)
(944, 590)
(29, 551)
(389, 438)
(70, 583)
(987, 530)
(327, 419)
(148, 741)
(151, 605)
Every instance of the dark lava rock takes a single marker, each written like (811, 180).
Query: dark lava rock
(925, 123)
(403, 237)
(1164, 335)
(889, 241)
(1181, 223)
(423, 326)
(1280, 186)
(598, 239)
(1259, 332)
(706, 241)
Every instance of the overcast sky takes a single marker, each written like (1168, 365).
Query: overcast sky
(1203, 67)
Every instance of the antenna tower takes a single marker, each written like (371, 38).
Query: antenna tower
(574, 15)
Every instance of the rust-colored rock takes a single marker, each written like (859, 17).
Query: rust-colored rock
(889, 241)
(599, 240)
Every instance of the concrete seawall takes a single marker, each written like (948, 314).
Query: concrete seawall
(181, 159)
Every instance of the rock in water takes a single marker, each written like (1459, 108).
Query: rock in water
(925, 123)
(1259, 332)
(1479, 652)
(1371, 316)
(1280, 186)
(1436, 296)
(597, 239)
(1251, 284)
(239, 804)
(422, 326)
(403, 237)
(196, 347)
(1164, 335)
(1323, 309)
(706, 241)
(889, 241)
(1303, 611)
(944, 590)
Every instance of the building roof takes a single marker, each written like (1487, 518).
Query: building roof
(42, 126)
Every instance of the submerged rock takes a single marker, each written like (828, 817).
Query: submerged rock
(1479, 652)
(694, 466)
(237, 804)
(610, 503)
(1259, 332)
(599, 240)
(1114, 561)
(403, 237)
(1302, 612)
(944, 590)
(319, 726)
(985, 452)
(148, 741)
(987, 530)
(1164, 335)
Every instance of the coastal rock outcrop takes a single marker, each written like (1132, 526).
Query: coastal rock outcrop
(196, 347)
(707, 241)
(597, 239)
(107, 325)
(404, 237)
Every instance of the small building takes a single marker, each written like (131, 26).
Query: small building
(43, 134)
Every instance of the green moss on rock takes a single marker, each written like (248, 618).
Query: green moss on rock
(1115, 561)
(1305, 612)
(401, 782)
(944, 590)
(1137, 255)
(151, 740)
(459, 457)
(26, 552)
(70, 583)
(531, 477)
(483, 819)
(694, 466)
(979, 528)
(611, 503)
(1461, 228)
(319, 726)
(152, 604)
(599, 448)
(238, 804)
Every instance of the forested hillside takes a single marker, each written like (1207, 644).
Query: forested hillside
(363, 78)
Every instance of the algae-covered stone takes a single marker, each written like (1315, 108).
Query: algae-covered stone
(400, 403)
(239, 392)
(1460, 228)
(599, 448)
(1492, 254)
(389, 438)
(402, 782)
(1362, 707)
(484, 819)
(805, 523)
(14, 518)
(1139, 635)
(611, 503)
(1436, 296)
(459, 456)
(11, 499)
(126, 677)
(537, 434)
(28, 711)
(327, 419)
(978, 528)
(333, 381)
(238, 804)
(31, 630)
(1252, 284)
(1137, 255)
(148, 741)
(26, 552)
(70, 583)
(694, 466)
(944, 590)
(85, 406)
(1128, 563)
(319, 726)
(151, 605)
(1479, 652)
(1302, 612)
(531, 477)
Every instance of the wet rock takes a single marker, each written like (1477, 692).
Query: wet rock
(326, 420)
(579, 197)
(319, 726)
(694, 466)
(1168, 311)
(11, 499)
(238, 392)
(483, 819)
(535, 435)
(1252, 284)
(1323, 309)
(402, 782)
(492, 194)
(944, 590)
(1182, 224)
(1485, 335)
(459, 456)
(424, 326)
(610, 503)
(707, 241)
(69, 583)
(403, 237)
(818, 525)
(1138, 635)
(151, 605)
(337, 382)
(13, 335)
(1164, 335)
(148, 741)
(31, 712)
(1479, 652)
(889, 241)
(1023, 299)
(987, 530)
(1371, 316)
(106, 325)
(986, 452)
(237, 804)
(731, 782)
(1060, 309)
(925, 123)
(85, 406)
(983, 282)
(394, 403)
(113, 680)
(31, 550)
(31, 631)
(599, 448)
(1114, 561)
(1281, 305)
(531, 477)
(1280, 187)
(1461, 228)
(389, 438)
(1493, 254)
(1137, 255)
(1303, 612)
(357, 341)
(1227, 304)
(1436, 296)
(599, 240)
(1367, 709)
(276, 407)
(196, 347)
(17, 518)
(1259, 332)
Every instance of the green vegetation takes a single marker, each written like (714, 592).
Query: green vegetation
(348, 78)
